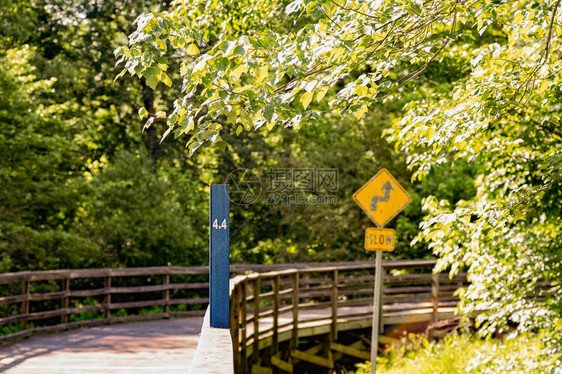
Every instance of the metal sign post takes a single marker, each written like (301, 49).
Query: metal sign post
(219, 251)
(382, 198)
(376, 310)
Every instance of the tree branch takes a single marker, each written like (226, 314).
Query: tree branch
(547, 47)
(409, 78)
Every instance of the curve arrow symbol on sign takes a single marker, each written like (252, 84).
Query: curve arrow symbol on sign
(387, 187)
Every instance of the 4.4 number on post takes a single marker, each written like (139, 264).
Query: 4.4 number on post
(222, 226)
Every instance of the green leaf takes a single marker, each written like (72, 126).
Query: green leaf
(202, 62)
(361, 111)
(148, 123)
(361, 90)
(161, 45)
(152, 82)
(187, 123)
(166, 80)
(321, 92)
(178, 43)
(239, 130)
(293, 7)
(183, 69)
(432, 234)
(192, 50)
(166, 134)
(120, 74)
(305, 99)
(236, 73)
(430, 133)
(261, 74)
(240, 50)
(221, 144)
(143, 113)
(268, 112)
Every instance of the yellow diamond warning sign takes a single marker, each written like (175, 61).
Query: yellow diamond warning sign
(379, 239)
(382, 198)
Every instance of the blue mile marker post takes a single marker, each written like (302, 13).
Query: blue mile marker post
(219, 251)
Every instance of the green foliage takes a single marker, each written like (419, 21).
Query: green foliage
(38, 161)
(503, 117)
(9, 329)
(86, 316)
(17, 22)
(59, 210)
(100, 171)
(526, 353)
(136, 214)
(63, 122)
(148, 311)
(270, 75)
(121, 313)
(273, 232)
(487, 99)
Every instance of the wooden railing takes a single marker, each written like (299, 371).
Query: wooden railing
(281, 306)
(274, 305)
(42, 301)
(33, 302)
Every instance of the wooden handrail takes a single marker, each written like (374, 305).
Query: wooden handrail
(192, 270)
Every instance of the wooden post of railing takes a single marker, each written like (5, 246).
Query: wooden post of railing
(25, 302)
(275, 314)
(65, 303)
(306, 285)
(166, 295)
(334, 301)
(107, 301)
(256, 353)
(435, 296)
(295, 301)
(243, 318)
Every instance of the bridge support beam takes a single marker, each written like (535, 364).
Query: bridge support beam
(256, 369)
(349, 351)
(316, 360)
(355, 346)
(283, 365)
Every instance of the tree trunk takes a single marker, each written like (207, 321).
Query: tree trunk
(151, 136)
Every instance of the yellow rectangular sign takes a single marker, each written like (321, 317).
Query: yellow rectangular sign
(379, 239)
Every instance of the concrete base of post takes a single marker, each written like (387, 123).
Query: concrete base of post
(214, 351)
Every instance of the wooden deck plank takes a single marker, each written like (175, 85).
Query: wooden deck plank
(317, 321)
(165, 346)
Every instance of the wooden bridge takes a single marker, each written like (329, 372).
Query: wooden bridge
(284, 318)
